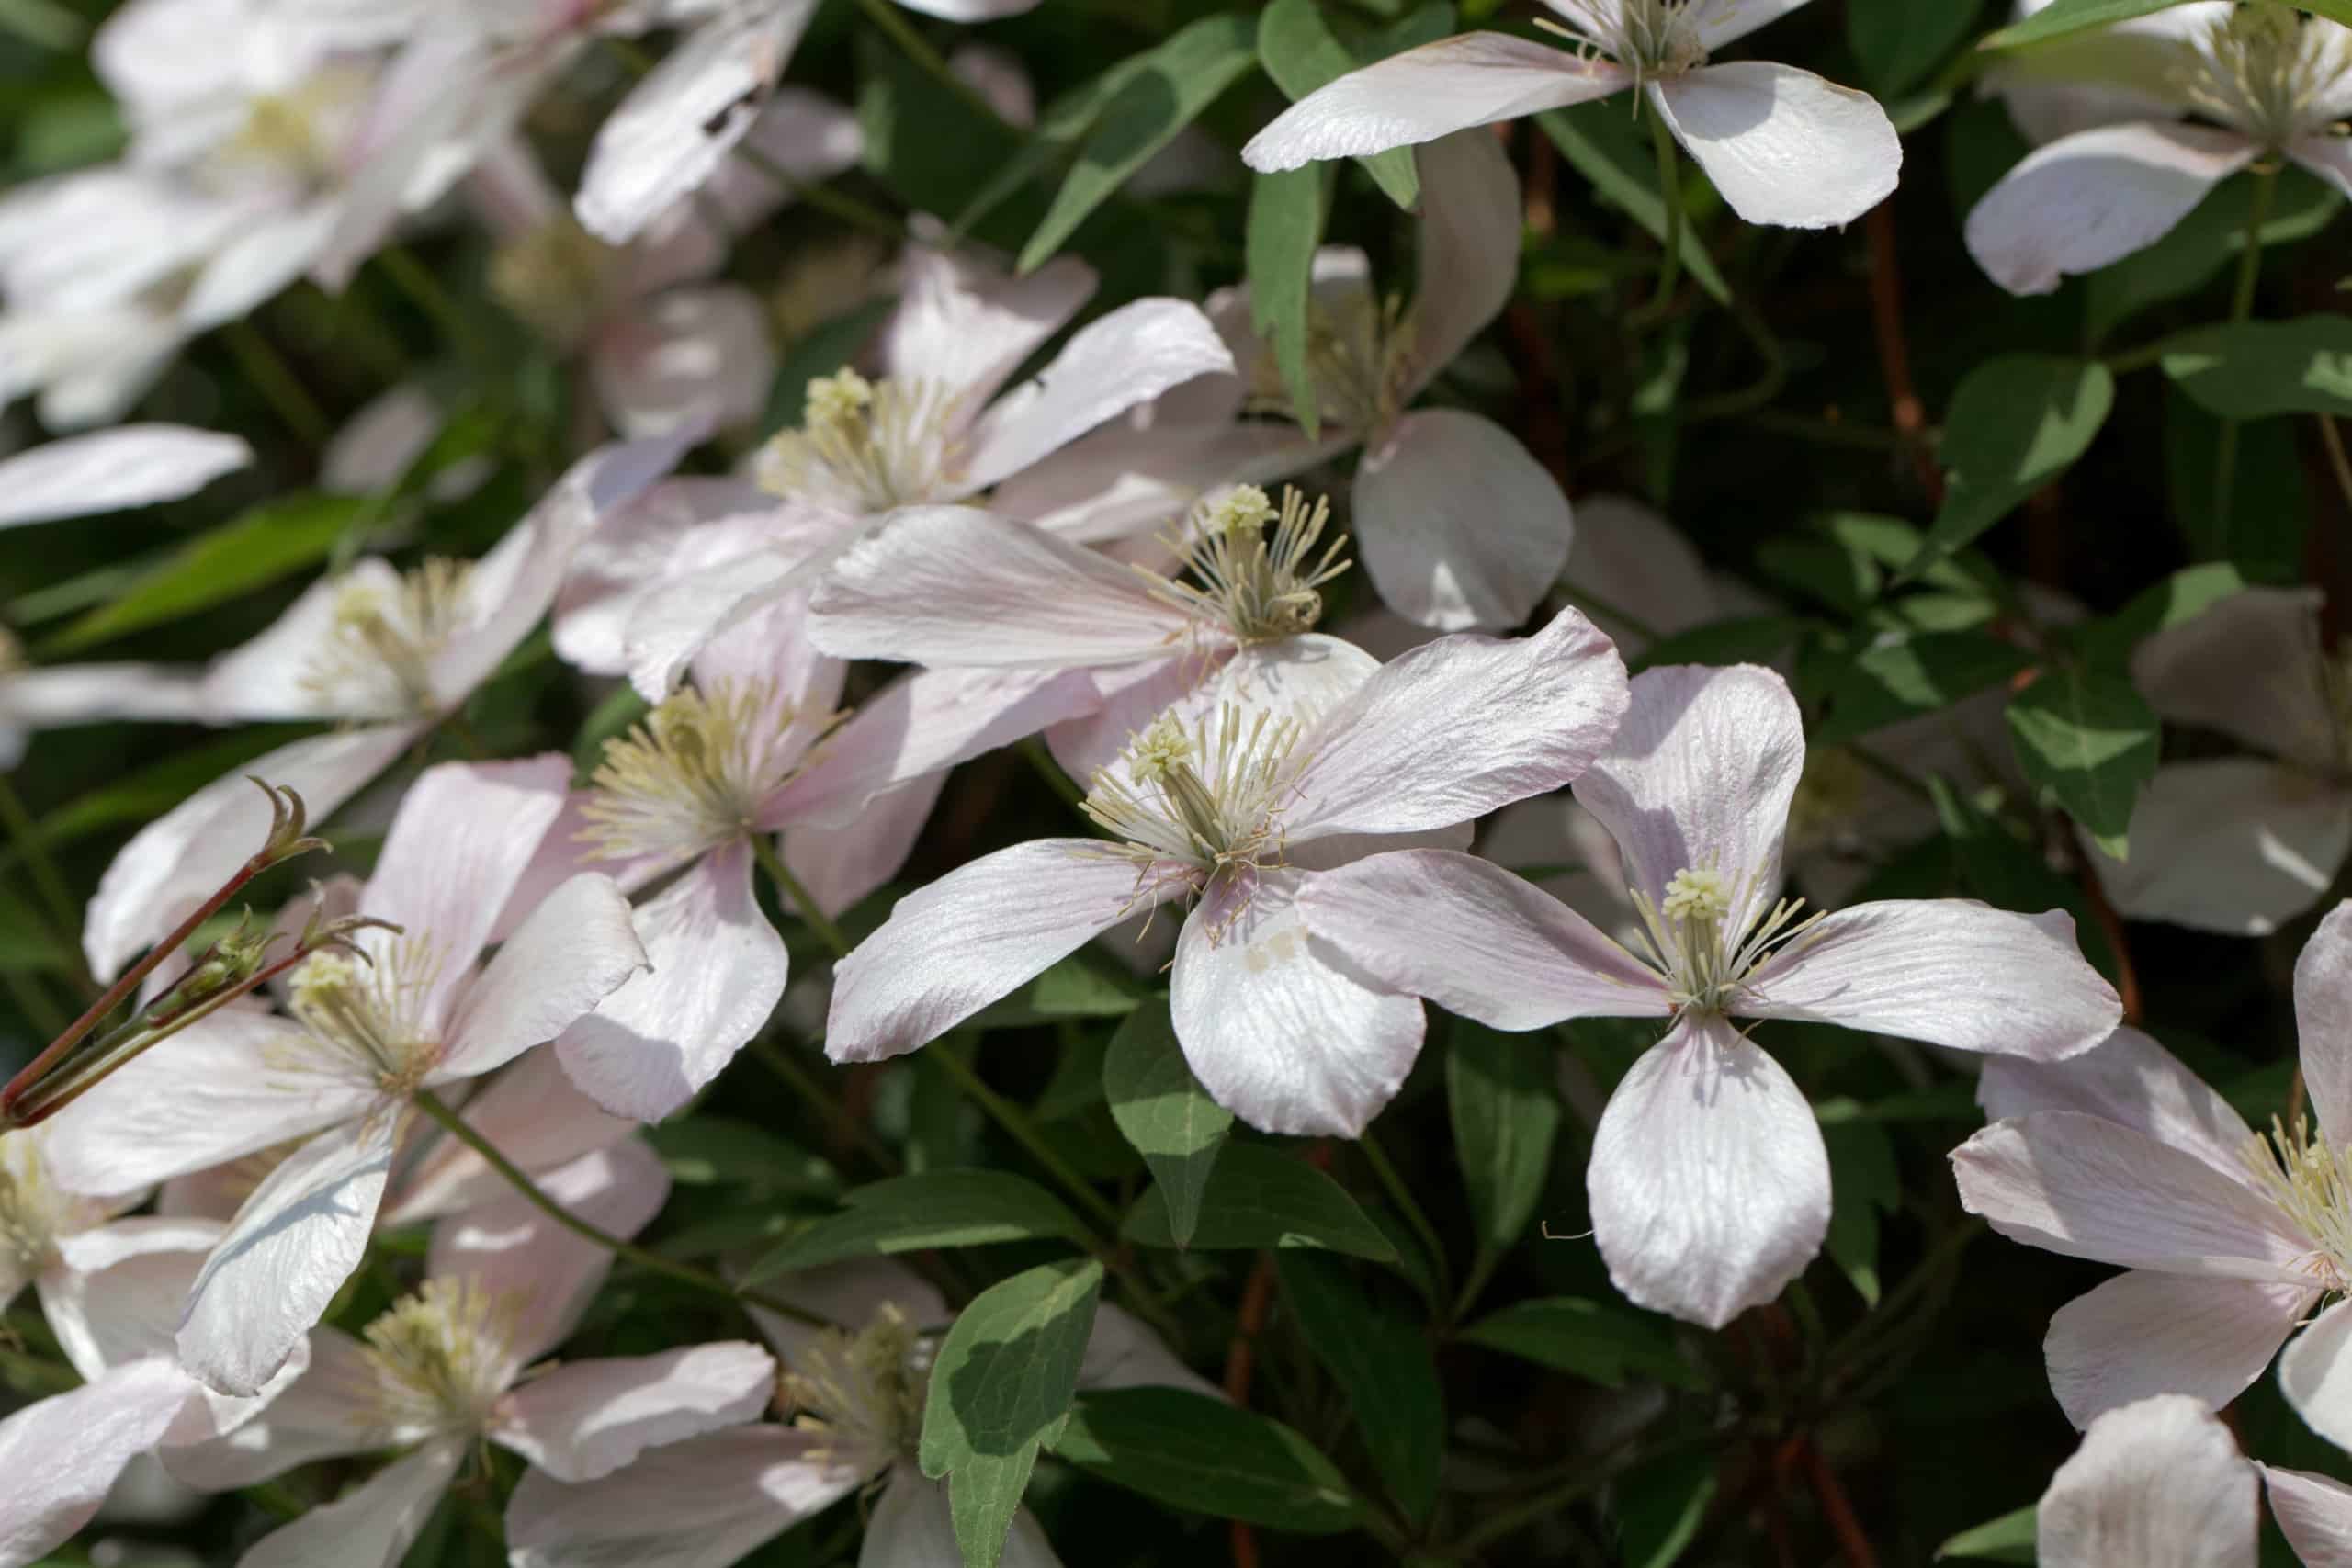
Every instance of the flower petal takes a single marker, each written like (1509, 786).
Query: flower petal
(1284, 1040)
(2195, 674)
(2324, 1021)
(577, 948)
(531, 1114)
(687, 358)
(2315, 1374)
(1121, 1352)
(840, 866)
(2095, 196)
(2158, 1485)
(1452, 84)
(2232, 844)
(2327, 155)
(319, 1415)
(585, 1419)
(132, 464)
(966, 323)
(953, 947)
(1723, 21)
(1476, 939)
(715, 968)
(2129, 1079)
(631, 555)
(912, 1527)
(1709, 1181)
(1457, 524)
(370, 1528)
(1456, 728)
(61, 1454)
(1634, 561)
(2314, 1513)
(2143, 1333)
(1470, 221)
(1783, 146)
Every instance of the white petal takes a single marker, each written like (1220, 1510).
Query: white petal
(688, 358)
(2195, 674)
(1700, 777)
(1470, 221)
(966, 323)
(63, 1453)
(132, 465)
(2232, 844)
(2143, 1333)
(1284, 1040)
(1476, 939)
(637, 548)
(1109, 365)
(950, 585)
(1783, 146)
(370, 1528)
(703, 1502)
(289, 670)
(585, 1419)
(1457, 524)
(284, 1256)
(674, 620)
(575, 950)
(806, 134)
(2157, 1484)
(323, 1414)
(1459, 726)
(1722, 21)
(2087, 1188)
(86, 693)
(970, 10)
(840, 866)
(2129, 1079)
(1121, 1352)
(1423, 93)
(1949, 971)
(1132, 695)
(1123, 481)
(2324, 1021)
(2327, 155)
(267, 256)
(1709, 1181)
(950, 949)
(2095, 197)
(852, 1294)
(529, 1112)
(2315, 1374)
(715, 970)
(1638, 563)
(2314, 1513)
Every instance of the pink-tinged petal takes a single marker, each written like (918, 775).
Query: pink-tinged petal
(2087, 1188)
(1279, 1036)
(1457, 524)
(114, 1293)
(679, 122)
(2195, 674)
(322, 1414)
(1640, 565)
(970, 10)
(132, 465)
(291, 669)
(1470, 220)
(585, 1419)
(772, 648)
(2324, 1021)
(715, 970)
(88, 693)
(951, 585)
(1949, 971)
(950, 949)
(257, 264)
(2315, 1374)
(284, 1257)
(1783, 146)
(852, 1294)
(703, 1502)
(912, 1527)
(1127, 479)
(175, 862)
(2328, 156)
(372, 1526)
(1109, 365)
(1700, 778)
(1131, 695)
(1476, 939)
(2232, 844)
(2314, 1513)
(997, 76)
(1423, 93)
(966, 323)
(2142, 1334)
(576, 949)
(2129, 1079)
(463, 836)
(1459, 726)
(509, 1248)
(840, 866)
(1709, 1181)
(1308, 678)
(2157, 1484)
(806, 134)
(530, 1113)
(634, 550)
(61, 1454)
(2096, 196)
(687, 358)
(1722, 21)
(1121, 1352)
(678, 618)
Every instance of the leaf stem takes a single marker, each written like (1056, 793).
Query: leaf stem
(829, 1108)
(763, 851)
(277, 384)
(2226, 457)
(1402, 1196)
(1017, 1125)
(1669, 189)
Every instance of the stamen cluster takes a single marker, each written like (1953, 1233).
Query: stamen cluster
(1261, 590)
(691, 776)
(443, 1356)
(365, 1007)
(2265, 72)
(384, 641)
(1649, 38)
(2312, 1183)
(1206, 801)
(865, 446)
(865, 1390)
(1360, 352)
(1703, 961)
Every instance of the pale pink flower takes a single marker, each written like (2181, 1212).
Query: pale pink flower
(2159, 1483)
(2314, 1513)
(1709, 1181)
(1783, 145)
(1238, 797)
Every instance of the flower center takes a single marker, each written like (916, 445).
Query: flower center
(1704, 960)
(559, 277)
(1359, 354)
(1204, 802)
(1649, 38)
(2312, 1184)
(299, 133)
(2262, 71)
(866, 1389)
(1828, 799)
(368, 1013)
(381, 646)
(693, 775)
(443, 1356)
(1260, 589)
(33, 1211)
(865, 446)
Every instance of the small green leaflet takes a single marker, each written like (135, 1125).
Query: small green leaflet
(2257, 369)
(2065, 17)
(2091, 740)
(1188, 1450)
(1165, 1114)
(2015, 424)
(949, 1207)
(1259, 1197)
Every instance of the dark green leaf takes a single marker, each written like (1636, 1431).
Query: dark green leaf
(1864, 1185)
(1899, 42)
(1661, 1505)
(1498, 1088)
(2009, 1539)
(2259, 525)
(822, 351)
(1187, 1451)
(1602, 142)
(1903, 678)
(1286, 224)
(1382, 1364)
(2004, 871)
(704, 1150)
(1258, 1197)
(2183, 596)
(2091, 740)
(1302, 53)
(1165, 1114)
(2255, 369)
(1604, 1342)
(2015, 424)
(2210, 239)
(2065, 17)
(152, 791)
(1080, 986)
(932, 1208)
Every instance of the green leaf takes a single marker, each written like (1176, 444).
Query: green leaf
(2009, 1539)
(703, 1151)
(1602, 142)
(1302, 53)
(1900, 42)
(2210, 239)
(1258, 1197)
(948, 1207)
(1284, 226)
(1604, 1342)
(1165, 1114)
(1661, 1505)
(1498, 1088)
(2004, 871)
(1080, 986)
(272, 541)
(2065, 17)
(2089, 738)
(25, 940)
(2015, 424)
(1907, 677)
(2182, 597)
(615, 716)
(2259, 527)
(2333, 10)
(1748, 639)
(1182, 77)
(1382, 1364)
(999, 1391)
(1864, 1185)
(152, 791)
(1188, 1450)
(2255, 369)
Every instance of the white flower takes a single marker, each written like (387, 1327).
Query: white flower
(2274, 81)
(1709, 1181)
(1236, 797)
(1783, 145)
(2159, 1483)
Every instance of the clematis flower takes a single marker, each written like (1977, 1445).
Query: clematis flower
(416, 1012)
(1709, 1181)
(2314, 1513)
(2107, 75)
(451, 1367)
(2273, 82)
(1238, 797)
(855, 1396)
(132, 465)
(390, 654)
(2159, 1483)
(2241, 844)
(1783, 146)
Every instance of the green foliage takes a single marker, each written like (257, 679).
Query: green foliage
(1165, 1114)
(1383, 1363)
(1259, 1197)
(1189, 1451)
(931, 1208)
(2090, 739)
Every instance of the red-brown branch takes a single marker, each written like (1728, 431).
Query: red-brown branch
(1910, 415)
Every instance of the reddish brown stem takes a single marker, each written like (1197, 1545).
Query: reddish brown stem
(2111, 925)
(1240, 1364)
(1910, 415)
(1836, 1507)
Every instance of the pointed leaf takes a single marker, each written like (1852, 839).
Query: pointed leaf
(1604, 1343)
(1382, 1364)
(1498, 1088)
(2091, 740)
(1165, 1114)
(1258, 1197)
(1187, 1451)
(933, 1208)
(2255, 369)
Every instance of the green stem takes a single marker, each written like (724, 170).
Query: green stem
(1402, 1196)
(277, 384)
(1041, 762)
(911, 44)
(2225, 457)
(1482, 1269)
(1669, 188)
(26, 834)
(829, 1109)
(1016, 1125)
(416, 280)
(823, 197)
(763, 851)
